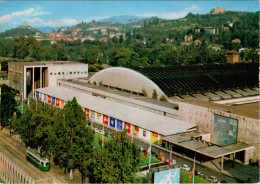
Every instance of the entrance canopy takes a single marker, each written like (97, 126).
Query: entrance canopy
(211, 150)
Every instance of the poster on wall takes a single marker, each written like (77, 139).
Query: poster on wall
(168, 176)
(112, 122)
(53, 100)
(154, 137)
(92, 115)
(105, 119)
(45, 98)
(119, 125)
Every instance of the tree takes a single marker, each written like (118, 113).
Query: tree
(7, 106)
(117, 162)
(154, 95)
(76, 137)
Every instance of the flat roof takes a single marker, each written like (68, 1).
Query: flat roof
(239, 110)
(142, 118)
(125, 94)
(46, 63)
(208, 149)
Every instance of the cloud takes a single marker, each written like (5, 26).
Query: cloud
(172, 15)
(38, 22)
(30, 12)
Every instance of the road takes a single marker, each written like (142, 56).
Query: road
(15, 151)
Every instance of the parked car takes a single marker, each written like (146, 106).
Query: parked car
(185, 167)
(96, 130)
(198, 173)
(102, 132)
(212, 179)
(172, 162)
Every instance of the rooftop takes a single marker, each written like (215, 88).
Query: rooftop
(143, 119)
(46, 63)
(239, 109)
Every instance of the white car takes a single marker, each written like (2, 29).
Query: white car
(185, 167)
(172, 162)
(96, 130)
(102, 132)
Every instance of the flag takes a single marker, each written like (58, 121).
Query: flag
(146, 150)
(170, 157)
(191, 173)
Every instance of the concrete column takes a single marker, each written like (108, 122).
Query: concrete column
(24, 82)
(33, 81)
(40, 77)
(222, 163)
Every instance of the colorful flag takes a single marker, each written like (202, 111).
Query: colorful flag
(53, 100)
(105, 119)
(112, 122)
(49, 99)
(170, 158)
(57, 102)
(92, 115)
(191, 173)
(146, 150)
(119, 125)
(62, 104)
(37, 94)
(87, 113)
(128, 127)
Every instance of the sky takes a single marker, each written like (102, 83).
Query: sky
(69, 13)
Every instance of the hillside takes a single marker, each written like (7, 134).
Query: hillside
(21, 32)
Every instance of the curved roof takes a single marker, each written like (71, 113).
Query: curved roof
(126, 79)
(180, 80)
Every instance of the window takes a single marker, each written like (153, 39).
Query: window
(54, 73)
(78, 72)
(70, 72)
(85, 71)
(74, 72)
(63, 73)
(58, 73)
(51, 73)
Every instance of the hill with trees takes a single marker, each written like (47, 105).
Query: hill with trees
(194, 39)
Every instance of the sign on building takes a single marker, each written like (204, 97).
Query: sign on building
(169, 176)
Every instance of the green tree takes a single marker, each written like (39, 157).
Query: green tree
(7, 106)
(76, 137)
(154, 95)
(117, 162)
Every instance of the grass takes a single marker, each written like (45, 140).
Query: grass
(146, 160)
(185, 178)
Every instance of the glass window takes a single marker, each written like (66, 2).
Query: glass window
(51, 73)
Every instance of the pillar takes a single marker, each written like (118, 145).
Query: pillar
(40, 77)
(24, 83)
(33, 81)
(222, 163)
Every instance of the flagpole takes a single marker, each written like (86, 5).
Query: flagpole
(194, 168)
(103, 136)
(150, 156)
(22, 103)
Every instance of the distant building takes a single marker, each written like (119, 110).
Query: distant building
(218, 10)
(210, 30)
(232, 56)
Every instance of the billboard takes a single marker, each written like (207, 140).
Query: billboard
(169, 176)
